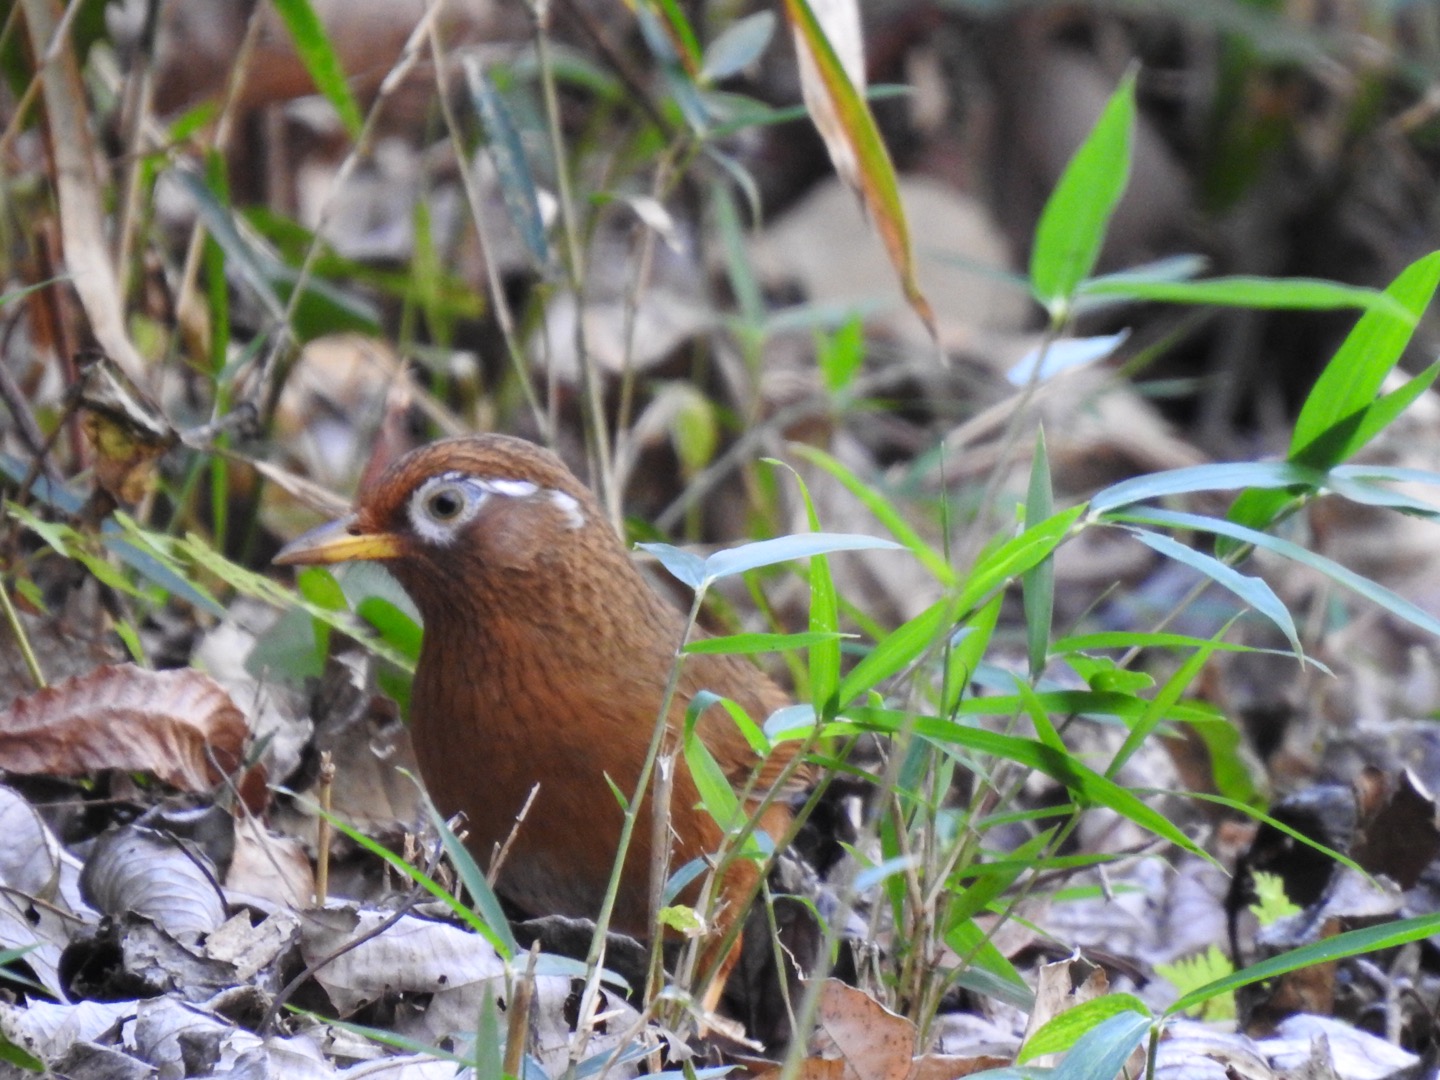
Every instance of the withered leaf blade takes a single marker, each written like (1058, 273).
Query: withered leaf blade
(149, 873)
(179, 725)
(126, 429)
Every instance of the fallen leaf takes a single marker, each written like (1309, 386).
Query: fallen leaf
(874, 1043)
(179, 725)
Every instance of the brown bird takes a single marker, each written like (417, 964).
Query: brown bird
(544, 662)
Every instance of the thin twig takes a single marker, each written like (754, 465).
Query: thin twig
(504, 850)
(22, 639)
(518, 1029)
(322, 833)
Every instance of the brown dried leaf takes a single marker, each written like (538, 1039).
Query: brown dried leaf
(874, 1042)
(1398, 836)
(1062, 986)
(179, 725)
(860, 1039)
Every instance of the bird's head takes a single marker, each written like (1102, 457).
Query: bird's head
(479, 515)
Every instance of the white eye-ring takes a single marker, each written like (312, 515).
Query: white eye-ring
(444, 503)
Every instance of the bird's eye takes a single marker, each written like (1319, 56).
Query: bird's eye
(445, 504)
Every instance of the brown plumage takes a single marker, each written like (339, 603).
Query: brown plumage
(544, 662)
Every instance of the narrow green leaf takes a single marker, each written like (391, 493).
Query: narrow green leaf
(1038, 583)
(1064, 1030)
(488, 917)
(1017, 555)
(1161, 704)
(1101, 1053)
(863, 145)
(512, 168)
(13, 1054)
(1072, 225)
(489, 1044)
(716, 792)
(1341, 413)
(271, 592)
(991, 881)
(738, 46)
(1389, 406)
(313, 47)
(738, 560)
(1087, 786)
(1352, 943)
(141, 558)
(966, 653)
(490, 922)
(687, 567)
(681, 33)
(1232, 769)
(989, 973)
(748, 644)
(1039, 718)
(1244, 292)
(1139, 639)
(841, 353)
(1353, 377)
(1392, 602)
(393, 625)
(824, 619)
(254, 266)
(1224, 476)
(895, 650)
(1252, 590)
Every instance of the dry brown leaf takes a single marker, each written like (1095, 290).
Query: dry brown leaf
(1062, 986)
(274, 868)
(179, 725)
(874, 1043)
(859, 1039)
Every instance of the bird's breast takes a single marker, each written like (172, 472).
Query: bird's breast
(490, 729)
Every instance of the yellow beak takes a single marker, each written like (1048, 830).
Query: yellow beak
(339, 542)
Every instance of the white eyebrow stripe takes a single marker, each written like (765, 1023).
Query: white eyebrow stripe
(569, 506)
(515, 489)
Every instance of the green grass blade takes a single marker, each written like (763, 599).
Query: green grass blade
(1073, 223)
(1038, 583)
(1253, 591)
(1353, 943)
(313, 46)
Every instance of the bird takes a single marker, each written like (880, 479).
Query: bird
(543, 667)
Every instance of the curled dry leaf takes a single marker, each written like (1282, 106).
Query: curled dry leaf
(29, 853)
(153, 874)
(179, 725)
(413, 955)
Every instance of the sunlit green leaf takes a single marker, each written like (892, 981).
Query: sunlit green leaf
(1073, 224)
